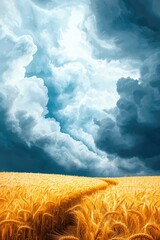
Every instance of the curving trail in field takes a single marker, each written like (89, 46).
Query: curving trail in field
(129, 210)
(34, 206)
(58, 207)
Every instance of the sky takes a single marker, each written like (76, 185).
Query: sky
(80, 87)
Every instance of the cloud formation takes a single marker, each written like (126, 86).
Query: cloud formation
(58, 86)
(134, 129)
(131, 131)
(24, 107)
(133, 27)
(43, 91)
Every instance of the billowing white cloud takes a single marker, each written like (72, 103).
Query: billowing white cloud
(52, 86)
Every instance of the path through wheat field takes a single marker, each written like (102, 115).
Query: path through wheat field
(48, 207)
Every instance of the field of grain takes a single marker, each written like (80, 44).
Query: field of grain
(34, 206)
(48, 207)
(129, 210)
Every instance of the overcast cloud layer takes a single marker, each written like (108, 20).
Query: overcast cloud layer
(79, 87)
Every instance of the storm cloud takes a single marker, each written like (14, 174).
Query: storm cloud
(44, 108)
(133, 27)
(60, 110)
(134, 129)
(131, 130)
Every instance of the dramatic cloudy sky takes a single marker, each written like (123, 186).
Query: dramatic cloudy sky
(80, 86)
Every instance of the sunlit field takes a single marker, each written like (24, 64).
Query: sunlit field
(46, 207)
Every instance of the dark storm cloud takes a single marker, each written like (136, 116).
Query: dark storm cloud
(133, 26)
(17, 156)
(134, 128)
(53, 91)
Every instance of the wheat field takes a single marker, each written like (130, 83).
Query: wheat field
(48, 207)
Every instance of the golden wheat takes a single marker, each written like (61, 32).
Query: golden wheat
(43, 207)
(68, 238)
(34, 205)
(130, 210)
(140, 236)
